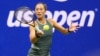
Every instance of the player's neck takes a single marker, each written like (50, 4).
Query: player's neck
(42, 21)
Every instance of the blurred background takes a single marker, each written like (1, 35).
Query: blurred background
(14, 36)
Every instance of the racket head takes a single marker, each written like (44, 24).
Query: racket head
(24, 15)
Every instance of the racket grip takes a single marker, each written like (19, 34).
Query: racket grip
(37, 28)
(38, 31)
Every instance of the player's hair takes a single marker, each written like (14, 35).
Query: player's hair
(45, 6)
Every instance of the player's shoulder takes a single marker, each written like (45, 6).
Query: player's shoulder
(50, 20)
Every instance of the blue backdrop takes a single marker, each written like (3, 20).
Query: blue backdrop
(14, 37)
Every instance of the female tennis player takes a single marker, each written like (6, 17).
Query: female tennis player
(41, 45)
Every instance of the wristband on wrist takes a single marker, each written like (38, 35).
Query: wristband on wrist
(69, 30)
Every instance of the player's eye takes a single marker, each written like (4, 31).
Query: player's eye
(37, 9)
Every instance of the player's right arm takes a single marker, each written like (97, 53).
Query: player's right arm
(32, 34)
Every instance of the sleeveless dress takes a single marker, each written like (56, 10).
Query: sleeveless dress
(44, 42)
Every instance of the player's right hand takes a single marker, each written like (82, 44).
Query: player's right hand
(39, 33)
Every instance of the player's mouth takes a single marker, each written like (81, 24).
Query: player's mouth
(39, 14)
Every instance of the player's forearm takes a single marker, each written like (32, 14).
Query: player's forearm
(33, 38)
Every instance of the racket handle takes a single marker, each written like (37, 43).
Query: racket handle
(38, 31)
(37, 28)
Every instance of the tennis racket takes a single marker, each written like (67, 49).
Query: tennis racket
(25, 15)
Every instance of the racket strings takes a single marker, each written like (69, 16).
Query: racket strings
(24, 15)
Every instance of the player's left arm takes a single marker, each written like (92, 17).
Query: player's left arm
(72, 28)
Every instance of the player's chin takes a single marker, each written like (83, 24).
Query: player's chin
(39, 17)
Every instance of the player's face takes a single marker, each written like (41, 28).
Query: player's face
(40, 11)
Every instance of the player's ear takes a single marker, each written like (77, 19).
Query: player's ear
(45, 11)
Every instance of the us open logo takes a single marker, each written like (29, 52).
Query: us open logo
(75, 16)
(61, 0)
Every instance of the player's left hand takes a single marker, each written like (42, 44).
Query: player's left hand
(73, 27)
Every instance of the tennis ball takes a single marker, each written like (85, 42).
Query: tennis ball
(46, 27)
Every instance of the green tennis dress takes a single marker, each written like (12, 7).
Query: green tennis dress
(44, 42)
